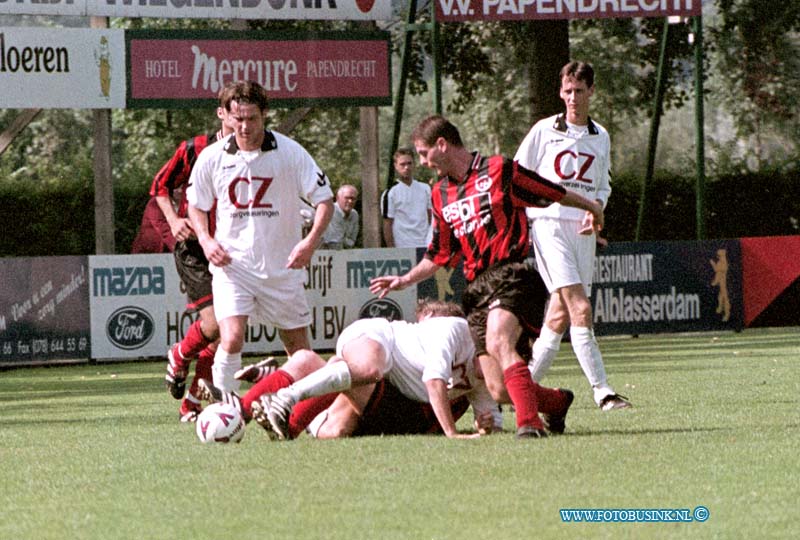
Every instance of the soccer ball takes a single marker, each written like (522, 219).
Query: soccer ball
(220, 423)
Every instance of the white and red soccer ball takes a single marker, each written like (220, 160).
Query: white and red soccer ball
(220, 423)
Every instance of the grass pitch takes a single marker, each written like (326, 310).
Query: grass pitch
(96, 452)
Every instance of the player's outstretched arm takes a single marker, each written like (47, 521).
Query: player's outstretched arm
(382, 285)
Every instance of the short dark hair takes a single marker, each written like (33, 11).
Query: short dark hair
(438, 308)
(581, 71)
(244, 92)
(403, 152)
(433, 127)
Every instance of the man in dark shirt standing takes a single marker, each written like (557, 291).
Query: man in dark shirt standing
(479, 213)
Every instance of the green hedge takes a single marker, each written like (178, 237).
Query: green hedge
(758, 204)
(58, 219)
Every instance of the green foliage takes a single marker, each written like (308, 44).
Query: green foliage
(59, 217)
(96, 452)
(332, 138)
(54, 218)
(756, 69)
(753, 77)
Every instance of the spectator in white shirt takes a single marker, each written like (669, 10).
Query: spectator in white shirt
(406, 206)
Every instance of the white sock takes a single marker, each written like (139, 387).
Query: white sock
(224, 368)
(333, 377)
(586, 349)
(601, 392)
(545, 349)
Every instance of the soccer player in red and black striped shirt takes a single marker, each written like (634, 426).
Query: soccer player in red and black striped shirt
(479, 213)
(192, 265)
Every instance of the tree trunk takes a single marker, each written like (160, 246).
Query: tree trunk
(545, 45)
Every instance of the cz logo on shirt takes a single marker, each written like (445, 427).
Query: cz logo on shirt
(563, 165)
(259, 184)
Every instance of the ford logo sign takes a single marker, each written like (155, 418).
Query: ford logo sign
(381, 307)
(130, 328)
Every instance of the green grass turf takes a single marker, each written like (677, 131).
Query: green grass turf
(96, 452)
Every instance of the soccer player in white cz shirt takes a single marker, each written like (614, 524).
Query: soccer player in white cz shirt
(573, 150)
(254, 181)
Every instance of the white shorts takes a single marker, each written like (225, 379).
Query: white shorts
(378, 330)
(281, 301)
(563, 256)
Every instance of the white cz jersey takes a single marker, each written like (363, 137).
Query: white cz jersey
(257, 195)
(436, 348)
(578, 158)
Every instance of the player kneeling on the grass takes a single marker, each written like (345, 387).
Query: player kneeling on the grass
(433, 360)
(417, 358)
(503, 296)
(395, 405)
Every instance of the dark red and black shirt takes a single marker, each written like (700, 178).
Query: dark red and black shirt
(176, 172)
(482, 215)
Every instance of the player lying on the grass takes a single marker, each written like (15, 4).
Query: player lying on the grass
(479, 214)
(417, 359)
(428, 361)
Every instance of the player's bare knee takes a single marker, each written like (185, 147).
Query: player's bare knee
(366, 372)
(500, 348)
(558, 321)
(210, 330)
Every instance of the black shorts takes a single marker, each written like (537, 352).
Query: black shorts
(389, 412)
(515, 287)
(192, 266)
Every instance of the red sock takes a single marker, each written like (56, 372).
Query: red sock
(202, 368)
(308, 409)
(194, 341)
(551, 400)
(268, 385)
(522, 391)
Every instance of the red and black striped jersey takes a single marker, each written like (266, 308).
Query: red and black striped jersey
(482, 215)
(175, 172)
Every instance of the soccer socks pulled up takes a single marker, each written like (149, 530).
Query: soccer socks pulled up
(545, 349)
(202, 369)
(522, 390)
(333, 377)
(305, 411)
(588, 352)
(550, 400)
(194, 341)
(268, 385)
(225, 366)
